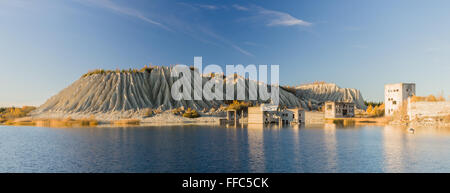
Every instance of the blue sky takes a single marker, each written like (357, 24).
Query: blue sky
(46, 45)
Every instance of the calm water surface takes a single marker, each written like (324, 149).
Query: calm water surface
(221, 149)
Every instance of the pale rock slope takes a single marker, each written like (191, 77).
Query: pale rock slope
(117, 95)
(318, 93)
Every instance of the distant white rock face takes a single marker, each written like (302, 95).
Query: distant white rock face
(128, 93)
(318, 93)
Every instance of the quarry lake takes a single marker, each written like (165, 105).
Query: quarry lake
(221, 149)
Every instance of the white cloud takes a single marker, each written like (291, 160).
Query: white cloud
(240, 8)
(241, 50)
(180, 25)
(248, 43)
(202, 6)
(271, 17)
(278, 18)
(210, 7)
(225, 41)
(107, 4)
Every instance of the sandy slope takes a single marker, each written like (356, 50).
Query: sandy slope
(112, 96)
(124, 95)
(320, 92)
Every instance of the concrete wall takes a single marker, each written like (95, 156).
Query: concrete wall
(330, 110)
(255, 115)
(314, 117)
(299, 115)
(428, 109)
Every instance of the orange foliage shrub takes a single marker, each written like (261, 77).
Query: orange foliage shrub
(429, 98)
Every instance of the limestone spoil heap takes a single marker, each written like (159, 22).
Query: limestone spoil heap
(115, 95)
(317, 93)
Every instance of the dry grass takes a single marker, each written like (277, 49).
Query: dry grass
(191, 113)
(53, 122)
(239, 105)
(178, 111)
(20, 123)
(67, 122)
(96, 71)
(127, 122)
(146, 69)
(317, 82)
(147, 112)
(402, 113)
(429, 98)
(16, 116)
(12, 113)
(447, 119)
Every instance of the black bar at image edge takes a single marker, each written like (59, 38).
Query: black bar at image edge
(228, 182)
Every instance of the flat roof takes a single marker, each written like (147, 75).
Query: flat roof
(399, 83)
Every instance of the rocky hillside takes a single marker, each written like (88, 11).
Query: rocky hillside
(314, 94)
(126, 93)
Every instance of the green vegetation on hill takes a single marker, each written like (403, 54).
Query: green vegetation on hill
(372, 103)
(146, 68)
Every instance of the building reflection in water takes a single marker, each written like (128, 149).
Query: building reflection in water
(234, 135)
(398, 149)
(256, 147)
(284, 152)
(296, 139)
(330, 146)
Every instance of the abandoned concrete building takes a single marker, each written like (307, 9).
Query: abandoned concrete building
(395, 95)
(267, 113)
(263, 114)
(339, 109)
(298, 115)
(236, 116)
